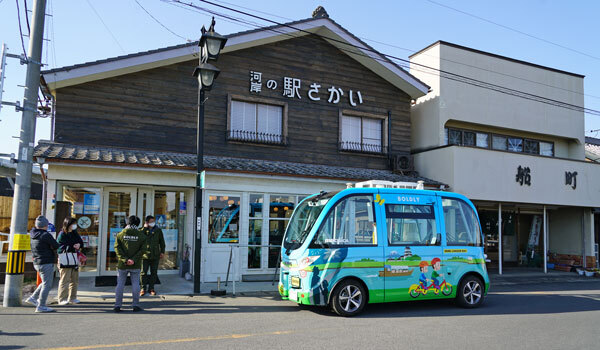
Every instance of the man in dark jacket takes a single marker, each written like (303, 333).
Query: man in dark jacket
(130, 245)
(155, 250)
(43, 247)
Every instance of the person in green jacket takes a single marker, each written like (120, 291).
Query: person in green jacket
(155, 250)
(130, 245)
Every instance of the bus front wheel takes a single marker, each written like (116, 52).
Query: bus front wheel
(349, 298)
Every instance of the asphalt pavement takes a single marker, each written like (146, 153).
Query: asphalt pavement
(548, 315)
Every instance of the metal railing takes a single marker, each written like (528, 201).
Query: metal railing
(256, 137)
(362, 147)
(252, 246)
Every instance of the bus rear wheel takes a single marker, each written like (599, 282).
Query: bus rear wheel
(349, 298)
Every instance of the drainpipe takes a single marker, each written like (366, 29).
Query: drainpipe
(41, 161)
(499, 238)
(52, 116)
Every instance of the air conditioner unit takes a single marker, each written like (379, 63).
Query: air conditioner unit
(402, 162)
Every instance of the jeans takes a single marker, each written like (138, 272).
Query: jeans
(149, 280)
(135, 286)
(47, 274)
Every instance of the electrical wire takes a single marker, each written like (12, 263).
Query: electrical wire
(442, 73)
(105, 26)
(514, 30)
(425, 54)
(27, 18)
(20, 29)
(162, 25)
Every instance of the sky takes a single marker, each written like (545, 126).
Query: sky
(553, 33)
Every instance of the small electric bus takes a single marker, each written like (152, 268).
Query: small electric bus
(380, 241)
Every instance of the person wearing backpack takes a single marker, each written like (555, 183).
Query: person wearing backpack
(130, 245)
(43, 247)
(155, 251)
(70, 242)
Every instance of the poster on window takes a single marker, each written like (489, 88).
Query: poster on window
(170, 236)
(113, 238)
(91, 203)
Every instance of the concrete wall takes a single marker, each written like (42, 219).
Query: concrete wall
(564, 231)
(482, 174)
(457, 101)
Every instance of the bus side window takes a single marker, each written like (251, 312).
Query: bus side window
(410, 224)
(350, 222)
(462, 225)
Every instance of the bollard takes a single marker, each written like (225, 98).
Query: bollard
(218, 291)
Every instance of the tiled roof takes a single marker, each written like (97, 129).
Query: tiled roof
(592, 149)
(121, 156)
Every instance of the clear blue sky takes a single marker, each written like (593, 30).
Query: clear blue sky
(78, 35)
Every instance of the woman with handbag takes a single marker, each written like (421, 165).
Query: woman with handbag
(70, 242)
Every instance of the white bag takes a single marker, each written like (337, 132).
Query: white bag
(68, 260)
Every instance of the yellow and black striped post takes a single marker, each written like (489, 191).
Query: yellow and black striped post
(15, 262)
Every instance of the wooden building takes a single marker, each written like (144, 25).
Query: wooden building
(297, 109)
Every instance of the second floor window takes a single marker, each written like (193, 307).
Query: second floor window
(361, 134)
(256, 122)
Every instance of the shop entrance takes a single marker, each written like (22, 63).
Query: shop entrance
(522, 237)
(102, 212)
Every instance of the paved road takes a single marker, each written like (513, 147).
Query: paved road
(535, 316)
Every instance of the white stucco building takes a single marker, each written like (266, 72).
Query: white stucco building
(506, 133)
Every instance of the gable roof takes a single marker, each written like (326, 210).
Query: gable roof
(325, 27)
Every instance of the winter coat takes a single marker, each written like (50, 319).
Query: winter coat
(155, 243)
(43, 247)
(67, 240)
(130, 244)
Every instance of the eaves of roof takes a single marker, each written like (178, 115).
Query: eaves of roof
(356, 48)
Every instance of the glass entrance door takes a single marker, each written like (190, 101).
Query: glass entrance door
(119, 204)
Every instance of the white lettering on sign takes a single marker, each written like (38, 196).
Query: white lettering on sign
(409, 199)
(255, 81)
(337, 241)
(291, 87)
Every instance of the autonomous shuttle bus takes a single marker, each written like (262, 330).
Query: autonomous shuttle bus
(380, 241)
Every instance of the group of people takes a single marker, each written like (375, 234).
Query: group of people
(138, 253)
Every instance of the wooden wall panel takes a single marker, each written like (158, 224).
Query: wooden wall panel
(156, 109)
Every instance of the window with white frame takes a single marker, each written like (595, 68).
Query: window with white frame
(256, 122)
(361, 134)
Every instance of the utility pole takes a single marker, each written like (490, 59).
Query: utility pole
(19, 239)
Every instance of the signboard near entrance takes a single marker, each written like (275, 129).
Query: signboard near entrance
(91, 203)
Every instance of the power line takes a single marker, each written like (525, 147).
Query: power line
(27, 18)
(20, 29)
(514, 30)
(105, 26)
(157, 21)
(425, 54)
(442, 73)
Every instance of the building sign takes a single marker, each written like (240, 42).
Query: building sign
(292, 88)
(523, 176)
(571, 179)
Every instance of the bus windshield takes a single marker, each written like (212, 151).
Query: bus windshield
(303, 220)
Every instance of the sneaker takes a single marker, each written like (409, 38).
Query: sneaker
(44, 309)
(63, 302)
(152, 292)
(31, 301)
(75, 301)
(137, 309)
(142, 293)
(117, 309)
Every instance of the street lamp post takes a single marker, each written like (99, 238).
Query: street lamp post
(210, 46)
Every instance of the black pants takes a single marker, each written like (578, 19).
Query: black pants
(149, 280)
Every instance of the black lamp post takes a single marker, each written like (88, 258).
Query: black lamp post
(210, 46)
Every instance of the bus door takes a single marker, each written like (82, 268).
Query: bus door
(413, 250)
(463, 251)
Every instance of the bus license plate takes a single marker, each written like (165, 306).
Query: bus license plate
(295, 282)
(293, 294)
